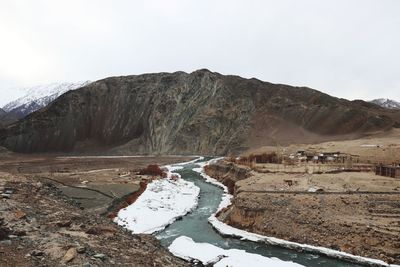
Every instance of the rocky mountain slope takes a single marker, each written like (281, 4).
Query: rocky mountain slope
(6, 118)
(2, 114)
(38, 97)
(386, 103)
(198, 113)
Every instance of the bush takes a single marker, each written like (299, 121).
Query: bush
(153, 170)
(259, 158)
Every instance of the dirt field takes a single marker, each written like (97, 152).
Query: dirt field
(381, 148)
(96, 181)
(50, 213)
(332, 182)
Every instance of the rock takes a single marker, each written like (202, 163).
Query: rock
(81, 249)
(87, 264)
(19, 214)
(100, 256)
(64, 223)
(70, 255)
(36, 253)
(19, 233)
(100, 230)
(54, 250)
(7, 196)
(6, 242)
(4, 232)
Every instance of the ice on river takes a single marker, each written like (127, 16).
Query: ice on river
(185, 248)
(162, 202)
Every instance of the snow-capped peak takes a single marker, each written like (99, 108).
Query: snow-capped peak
(386, 103)
(42, 95)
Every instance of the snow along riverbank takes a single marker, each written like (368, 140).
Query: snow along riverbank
(228, 230)
(163, 201)
(185, 248)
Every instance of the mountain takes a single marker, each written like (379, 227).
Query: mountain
(198, 113)
(2, 114)
(38, 97)
(6, 118)
(386, 103)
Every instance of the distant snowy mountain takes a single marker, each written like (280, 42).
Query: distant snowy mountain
(38, 97)
(386, 103)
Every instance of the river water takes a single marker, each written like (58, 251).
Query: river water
(195, 225)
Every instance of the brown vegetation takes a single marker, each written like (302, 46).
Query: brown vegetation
(256, 158)
(128, 200)
(153, 170)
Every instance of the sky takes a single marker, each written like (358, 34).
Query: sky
(346, 48)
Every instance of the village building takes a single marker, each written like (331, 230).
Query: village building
(388, 171)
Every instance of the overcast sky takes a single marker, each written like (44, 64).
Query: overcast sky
(346, 48)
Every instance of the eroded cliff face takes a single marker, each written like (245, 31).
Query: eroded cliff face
(319, 221)
(180, 113)
(227, 173)
(348, 222)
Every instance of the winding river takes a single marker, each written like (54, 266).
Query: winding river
(195, 225)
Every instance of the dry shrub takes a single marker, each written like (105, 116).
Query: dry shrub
(129, 199)
(267, 158)
(259, 158)
(153, 170)
(231, 159)
(174, 177)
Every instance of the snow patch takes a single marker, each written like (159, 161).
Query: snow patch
(185, 248)
(386, 103)
(41, 95)
(163, 201)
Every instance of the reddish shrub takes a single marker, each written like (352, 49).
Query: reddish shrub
(153, 170)
(231, 159)
(267, 158)
(206, 168)
(128, 200)
(174, 177)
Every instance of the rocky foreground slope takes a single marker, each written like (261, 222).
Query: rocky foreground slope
(198, 113)
(39, 226)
